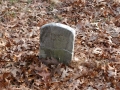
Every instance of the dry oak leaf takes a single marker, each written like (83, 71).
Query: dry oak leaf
(45, 75)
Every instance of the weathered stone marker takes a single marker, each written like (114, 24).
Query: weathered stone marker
(57, 40)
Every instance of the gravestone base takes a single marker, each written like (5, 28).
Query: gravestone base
(61, 55)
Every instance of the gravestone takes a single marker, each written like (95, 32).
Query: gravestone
(57, 41)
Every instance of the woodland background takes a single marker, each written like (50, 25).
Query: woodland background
(96, 63)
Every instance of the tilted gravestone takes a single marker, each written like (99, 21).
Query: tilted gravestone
(57, 41)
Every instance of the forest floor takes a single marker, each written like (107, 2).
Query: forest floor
(96, 62)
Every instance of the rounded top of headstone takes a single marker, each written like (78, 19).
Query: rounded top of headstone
(59, 25)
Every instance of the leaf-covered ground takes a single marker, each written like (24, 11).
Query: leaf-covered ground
(96, 63)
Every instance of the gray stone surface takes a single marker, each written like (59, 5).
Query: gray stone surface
(57, 40)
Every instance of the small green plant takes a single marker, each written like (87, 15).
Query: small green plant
(29, 1)
(11, 13)
(13, 1)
